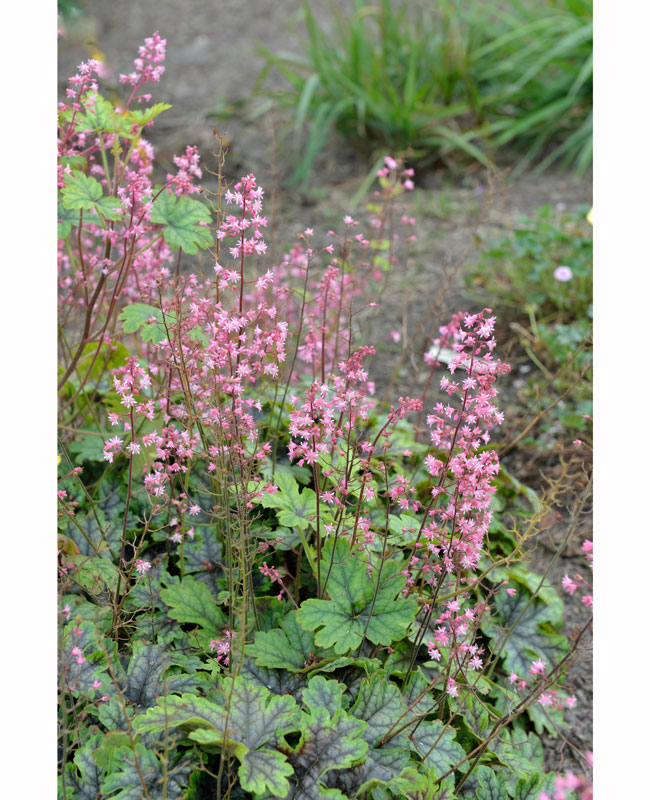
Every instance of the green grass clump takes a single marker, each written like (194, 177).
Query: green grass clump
(445, 78)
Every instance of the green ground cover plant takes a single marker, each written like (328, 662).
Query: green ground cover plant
(270, 584)
(542, 276)
(445, 79)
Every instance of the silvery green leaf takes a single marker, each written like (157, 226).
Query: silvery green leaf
(491, 786)
(437, 746)
(527, 630)
(323, 693)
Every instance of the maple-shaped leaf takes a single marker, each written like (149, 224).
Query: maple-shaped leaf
(287, 647)
(181, 217)
(360, 605)
(191, 601)
(102, 117)
(148, 318)
(86, 193)
(295, 508)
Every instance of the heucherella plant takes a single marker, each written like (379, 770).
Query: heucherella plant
(272, 584)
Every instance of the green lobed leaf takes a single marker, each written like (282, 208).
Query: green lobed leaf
(138, 315)
(357, 606)
(181, 217)
(265, 770)
(85, 192)
(191, 601)
(287, 647)
(296, 508)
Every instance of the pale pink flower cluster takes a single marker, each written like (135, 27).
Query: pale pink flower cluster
(131, 383)
(577, 581)
(454, 532)
(222, 646)
(568, 785)
(188, 170)
(548, 698)
(148, 66)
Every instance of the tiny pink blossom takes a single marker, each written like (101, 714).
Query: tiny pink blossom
(563, 274)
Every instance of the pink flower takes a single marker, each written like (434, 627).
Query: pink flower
(563, 274)
(537, 667)
(142, 566)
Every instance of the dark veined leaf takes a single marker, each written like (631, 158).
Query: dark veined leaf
(265, 770)
(79, 677)
(358, 607)
(181, 217)
(379, 704)
(250, 730)
(126, 777)
(146, 675)
(437, 746)
(327, 743)
(278, 681)
(86, 780)
(530, 638)
(491, 786)
(324, 693)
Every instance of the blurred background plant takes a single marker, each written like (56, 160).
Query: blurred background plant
(70, 9)
(540, 276)
(444, 80)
